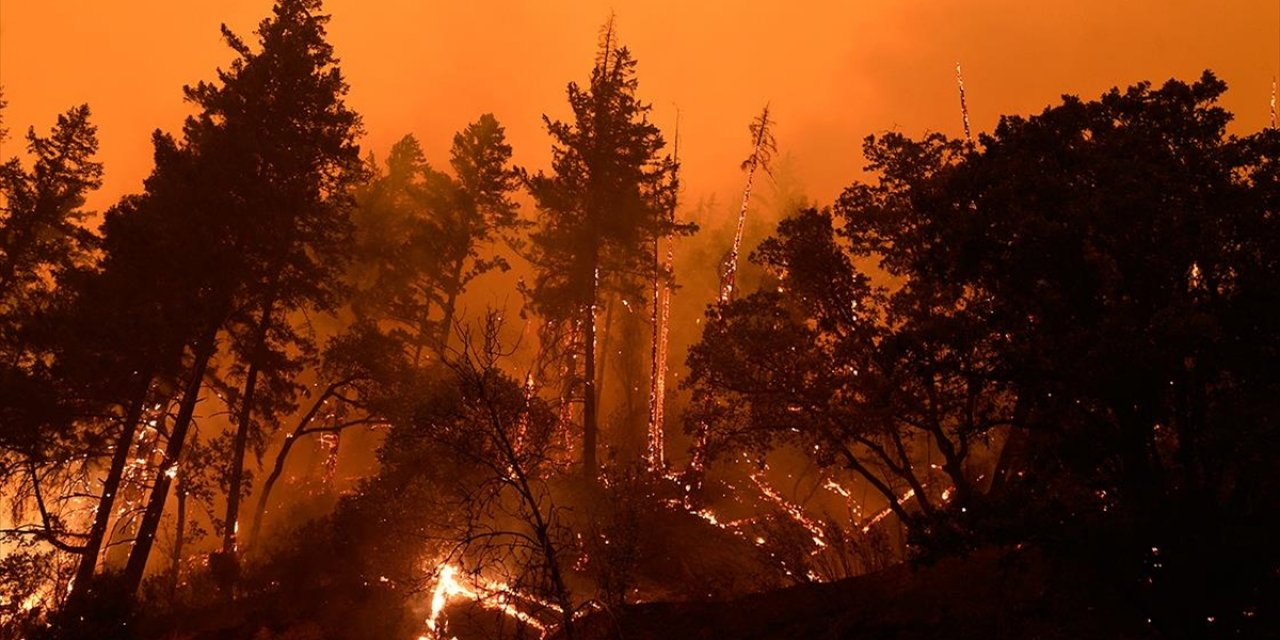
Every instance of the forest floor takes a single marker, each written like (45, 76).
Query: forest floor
(988, 594)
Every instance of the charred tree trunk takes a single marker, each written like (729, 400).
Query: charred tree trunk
(761, 149)
(146, 536)
(110, 488)
(278, 469)
(180, 537)
(590, 417)
(450, 307)
(231, 525)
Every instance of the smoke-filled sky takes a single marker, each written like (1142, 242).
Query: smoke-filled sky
(833, 71)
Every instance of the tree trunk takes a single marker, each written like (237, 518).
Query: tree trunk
(175, 566)
(231, 524)
(730, 276)
(731, 271)
(590, 422)
(278, 469)
(606, 335)
(146, 536)
(110, 488)
(658, 367)
(450, 307)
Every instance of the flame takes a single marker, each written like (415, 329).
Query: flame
(491, 594)
(884, 513)
(796, 512)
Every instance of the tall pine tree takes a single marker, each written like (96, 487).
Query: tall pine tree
(275, 145)
(602, 206)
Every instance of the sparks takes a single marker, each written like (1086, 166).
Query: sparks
(796, 513)
(490, 594)
(964, 105)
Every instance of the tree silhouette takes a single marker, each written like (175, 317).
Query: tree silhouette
(41, 231)
(602, 206)
(275, 145)
(426, 235)
(279, 115)
(763, 146)
(1089, 281)
(483, 213)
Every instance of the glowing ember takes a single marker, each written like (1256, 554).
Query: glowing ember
(658, 384)
(1273, 102)
(762, 148)
(884, 513)
(796, 513)
(964, 106)
(490, 594)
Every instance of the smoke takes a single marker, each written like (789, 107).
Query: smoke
(835, 71)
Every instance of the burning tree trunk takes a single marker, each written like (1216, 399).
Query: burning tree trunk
(110, 489)
(762, 150)
(232, 524)
(660, 315)
(590, 418)
(146, 535)
(964, 106)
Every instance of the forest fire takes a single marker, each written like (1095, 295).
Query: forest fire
(579, 370)
(793, 511)
(491, 595)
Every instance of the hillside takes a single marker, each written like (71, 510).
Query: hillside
(990, 594)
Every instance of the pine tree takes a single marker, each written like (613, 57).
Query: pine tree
(41, 232)
(483, 211)
(141, 324)
(424, 235)
(279, 114)
(602, 206)
(275, 149)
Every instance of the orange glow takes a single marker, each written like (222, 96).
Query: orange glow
(833, 71)
(490, 594)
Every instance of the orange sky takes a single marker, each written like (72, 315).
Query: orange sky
(834, 71)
